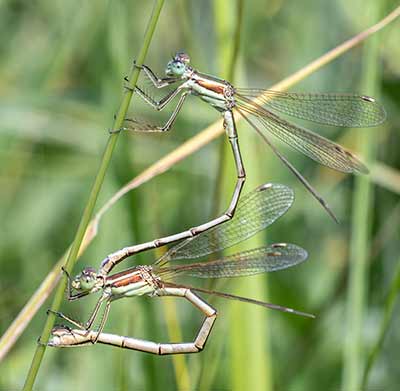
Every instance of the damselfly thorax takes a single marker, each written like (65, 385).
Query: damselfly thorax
(216, 92)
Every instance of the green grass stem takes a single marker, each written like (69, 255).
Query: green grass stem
(73, 254)
(360, 231)
(247, 338)
(387, 317)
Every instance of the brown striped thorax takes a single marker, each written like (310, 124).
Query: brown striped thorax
(215, 91)
(135, 281)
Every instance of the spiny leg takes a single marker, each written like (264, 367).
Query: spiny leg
(85, 336)
(103, 321)
(69, 292)
(67, 318)
(157, 104)
(88, 324)
(141, 126)
(157, 81)
(63, 336)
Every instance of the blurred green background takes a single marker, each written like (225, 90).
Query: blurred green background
(61, 78)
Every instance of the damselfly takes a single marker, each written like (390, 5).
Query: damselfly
(346, 110)
(255, 212)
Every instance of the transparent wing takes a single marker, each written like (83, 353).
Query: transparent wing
(256, 211)
(140, 125)
(266, 259)
(309, 143)
(348, 110)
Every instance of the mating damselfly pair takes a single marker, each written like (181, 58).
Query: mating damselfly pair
(250, 214)
(256, 211)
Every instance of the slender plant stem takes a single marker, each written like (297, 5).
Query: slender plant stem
(248, 338)
(387, 317)
(174, 330)
(360, 234)
(228, 28)
(236, 39)
(73, 253)
(182, 377)
(197, 142)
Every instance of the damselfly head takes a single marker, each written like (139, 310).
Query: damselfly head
(85, 280)
(178, 65)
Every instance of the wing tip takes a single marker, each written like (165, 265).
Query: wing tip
(267, 186)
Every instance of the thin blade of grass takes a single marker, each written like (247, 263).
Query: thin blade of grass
(247, 337)
(174, 330)
(85, 220)
(360, 231)
(387, 317)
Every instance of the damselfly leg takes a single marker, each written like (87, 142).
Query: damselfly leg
(63, 336)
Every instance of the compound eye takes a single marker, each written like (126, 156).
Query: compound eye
(88, 272)
(183, 57)
(86, 280)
